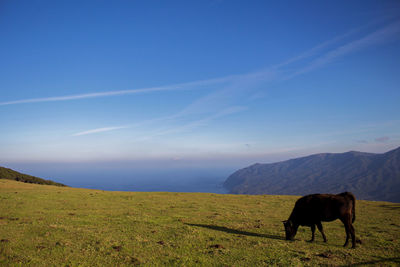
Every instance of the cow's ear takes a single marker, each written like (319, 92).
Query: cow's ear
(285, 221)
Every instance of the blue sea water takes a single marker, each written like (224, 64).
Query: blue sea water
(207, 180)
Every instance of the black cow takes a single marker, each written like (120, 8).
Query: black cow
(313, 209)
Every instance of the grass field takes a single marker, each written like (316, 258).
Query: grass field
(55, 226)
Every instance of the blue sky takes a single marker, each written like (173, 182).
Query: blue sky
(197, 82)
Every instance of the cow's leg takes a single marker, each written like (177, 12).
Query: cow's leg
(312, 232)
(319, 225)
(345, 220)
(353, 236)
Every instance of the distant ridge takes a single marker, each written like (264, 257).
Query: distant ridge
(369, 176)
(6, 173)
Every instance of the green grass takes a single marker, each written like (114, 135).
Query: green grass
(59, 226)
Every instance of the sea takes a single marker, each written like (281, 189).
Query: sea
(146, 179)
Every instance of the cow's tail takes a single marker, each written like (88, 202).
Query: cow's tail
(350, 196)
(353, 210)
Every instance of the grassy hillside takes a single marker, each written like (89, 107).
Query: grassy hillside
(61, 226)
(6, 173)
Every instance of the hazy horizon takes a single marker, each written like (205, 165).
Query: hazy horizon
(144, 176)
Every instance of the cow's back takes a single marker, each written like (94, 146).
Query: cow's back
(318, 207)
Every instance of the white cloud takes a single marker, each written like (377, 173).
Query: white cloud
(100, 130)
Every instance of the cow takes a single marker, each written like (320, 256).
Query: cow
(313, 209)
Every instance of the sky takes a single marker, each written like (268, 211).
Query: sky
(205, 83)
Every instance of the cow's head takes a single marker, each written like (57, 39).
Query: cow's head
(290, 229)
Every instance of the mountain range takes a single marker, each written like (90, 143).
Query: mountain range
(369, 176)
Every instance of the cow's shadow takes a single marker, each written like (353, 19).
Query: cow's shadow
(380, 261)
(394, 206)
(235, 231)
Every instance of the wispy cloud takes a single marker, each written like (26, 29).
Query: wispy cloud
(233, 89)
(239, 87)
(170, 130)
(201, 122)
(228, 94)
(382, 139)
(244, 80)
(180, 86)
(380, 36)
(100, 130)
(362, 141)
(320, 47)
(194, 124)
